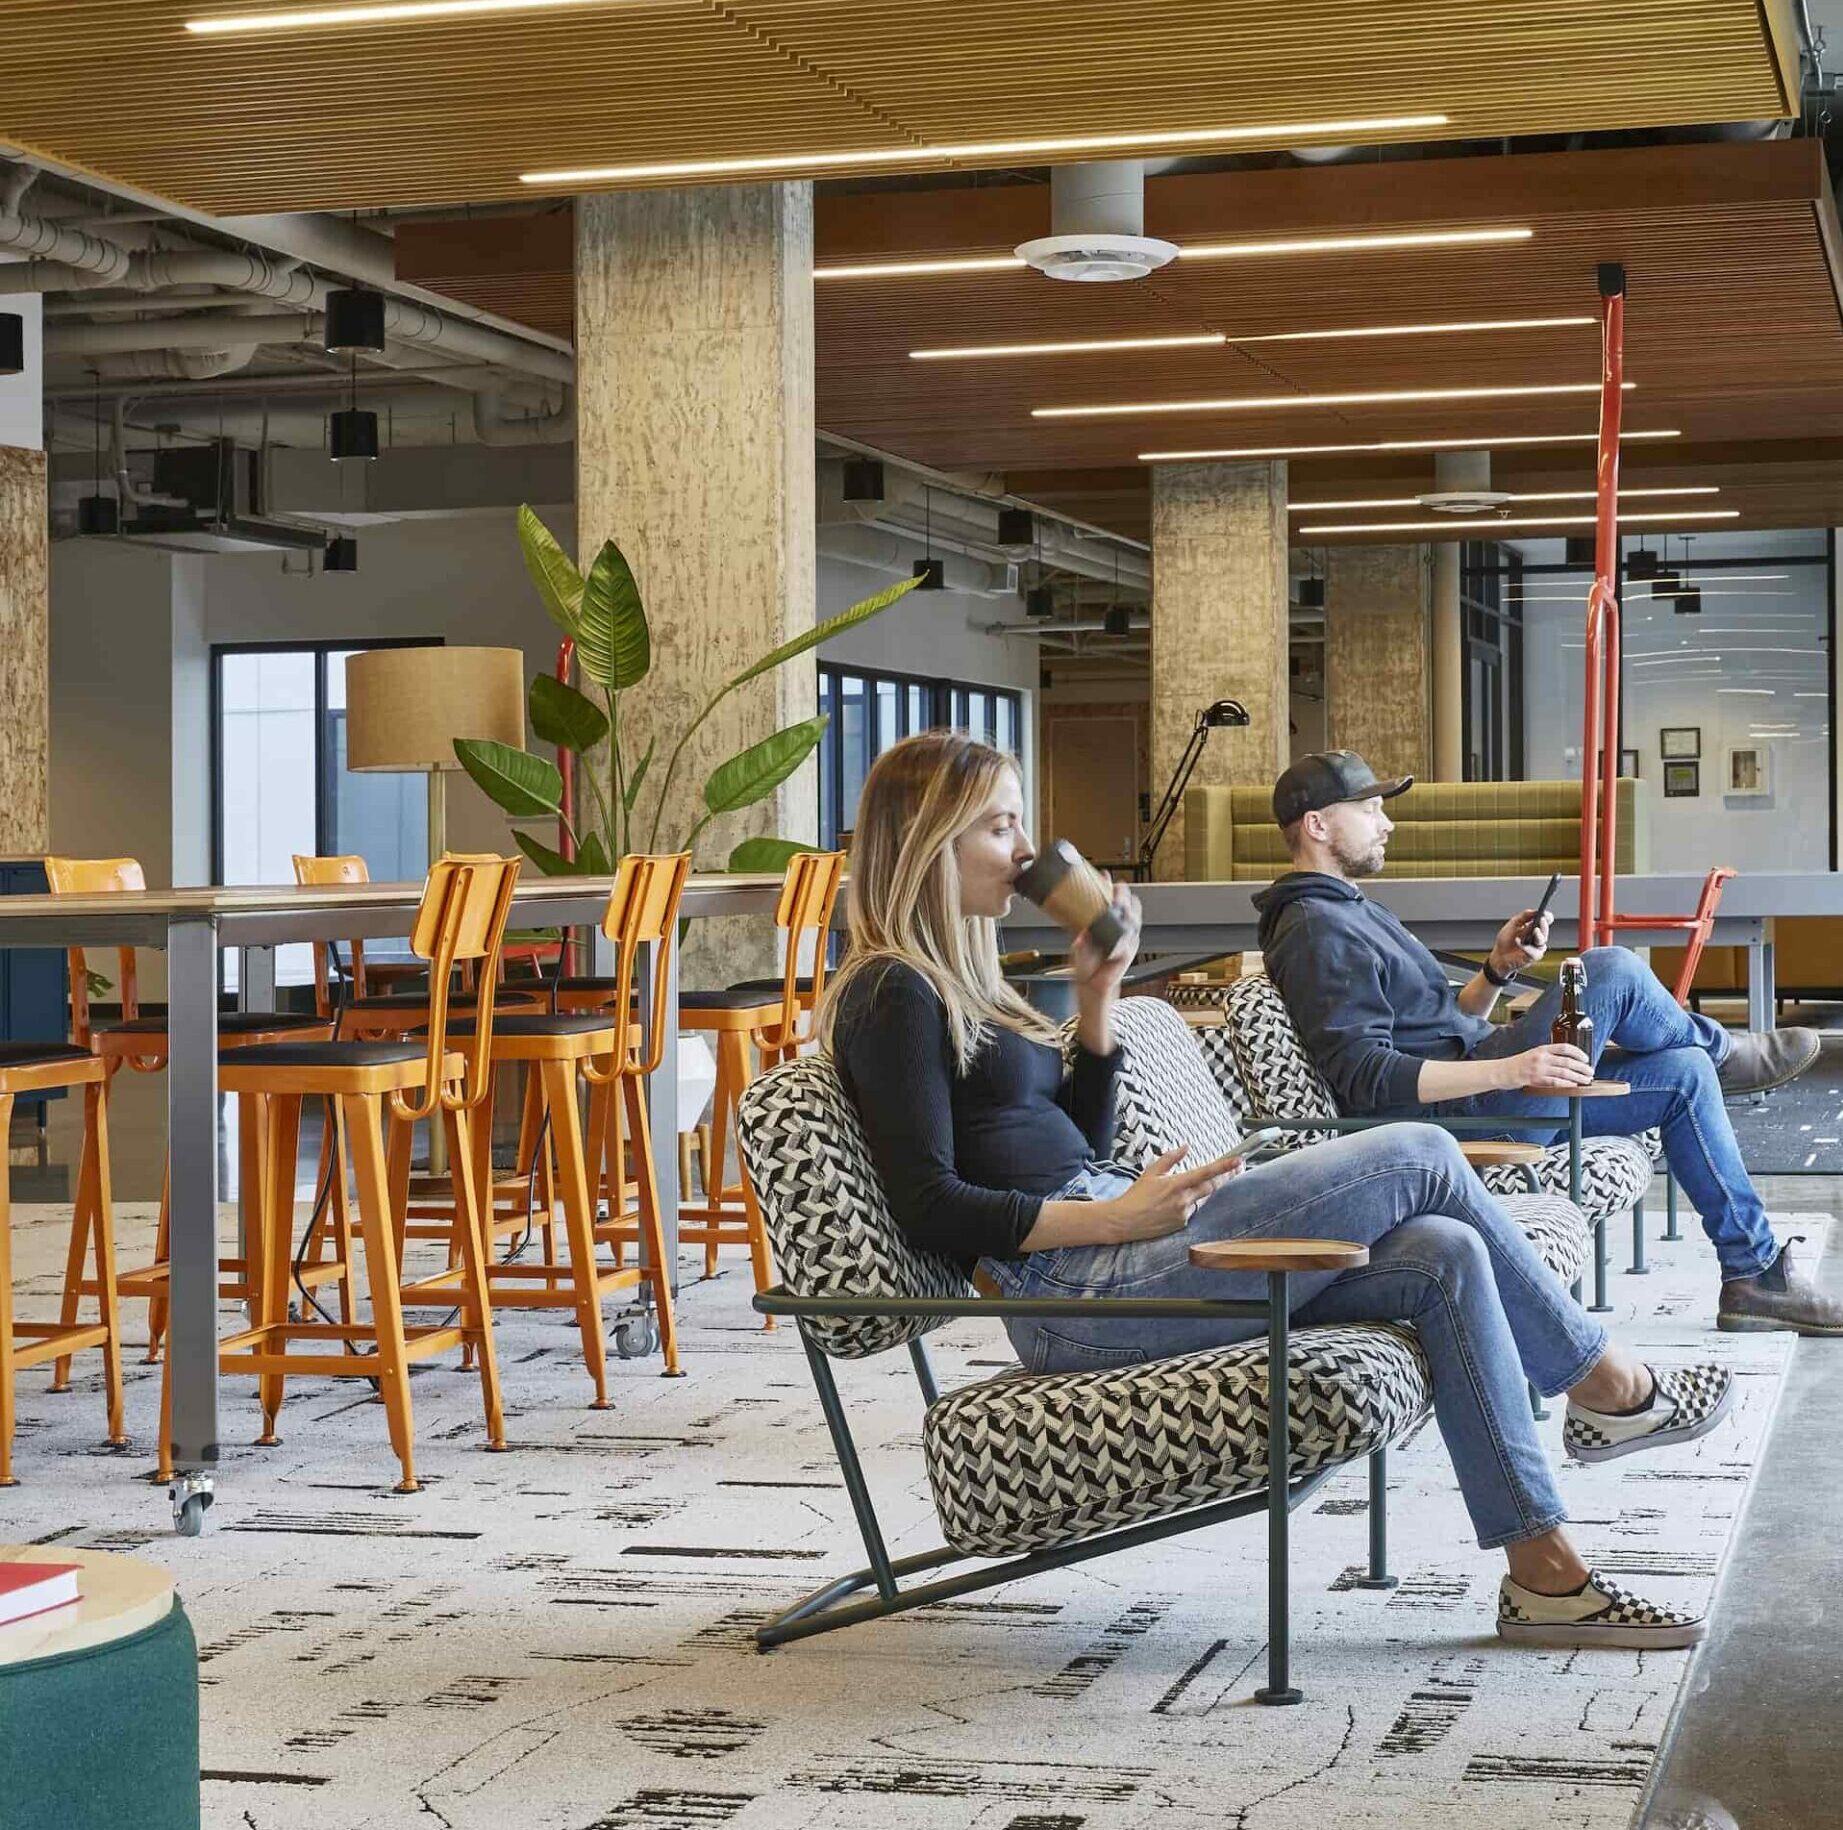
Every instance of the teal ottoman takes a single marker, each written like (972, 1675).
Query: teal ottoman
(99, 1703)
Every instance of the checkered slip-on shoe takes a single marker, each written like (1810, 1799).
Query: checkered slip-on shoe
(1689, 1402)
(1600, 1613)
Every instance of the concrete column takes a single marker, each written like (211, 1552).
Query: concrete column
(25, 711)
(1377, 699)
(694, 450)
(1218, 624)
(1451, 470)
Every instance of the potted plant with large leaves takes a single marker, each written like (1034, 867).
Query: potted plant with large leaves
(602, 614)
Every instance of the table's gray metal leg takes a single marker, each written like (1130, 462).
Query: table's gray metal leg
(1761, 983)
(662, 1101)
(1672, 1231)
(192, 1125)
(255, 978)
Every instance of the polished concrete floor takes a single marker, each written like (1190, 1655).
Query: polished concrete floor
(1755, 1741)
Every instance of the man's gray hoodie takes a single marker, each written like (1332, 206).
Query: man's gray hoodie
(1369, 1001)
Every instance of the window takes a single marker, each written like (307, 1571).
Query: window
(280, 783)
(869, 712)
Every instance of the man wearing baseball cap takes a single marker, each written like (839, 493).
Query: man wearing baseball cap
(1394, 1039)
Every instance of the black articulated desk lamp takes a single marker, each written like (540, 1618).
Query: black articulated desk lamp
(1224, 711)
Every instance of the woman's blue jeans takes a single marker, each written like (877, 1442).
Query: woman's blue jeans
(1444, 1256)
(1668, 1056)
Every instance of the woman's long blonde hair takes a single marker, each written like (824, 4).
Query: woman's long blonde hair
(920, 795)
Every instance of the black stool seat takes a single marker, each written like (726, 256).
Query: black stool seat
(737, 997)
(765, 990)
(40, 1054)
(327, 1054)
(543, 1023)
(587, 982)
(409, 1000)
(230, 1023)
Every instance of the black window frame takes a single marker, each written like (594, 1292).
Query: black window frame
(943, 700)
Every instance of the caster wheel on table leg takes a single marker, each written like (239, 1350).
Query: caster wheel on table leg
(191, 1501)
(636, 1337)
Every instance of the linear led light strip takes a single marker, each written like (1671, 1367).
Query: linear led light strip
(984, 351)
(1471, 442)
(1547, 495)
(1195, 251)
(1256, 403)
(390, 12)
(983, 150)
(1470, 527)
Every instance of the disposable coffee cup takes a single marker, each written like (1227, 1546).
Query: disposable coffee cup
(1068, 889)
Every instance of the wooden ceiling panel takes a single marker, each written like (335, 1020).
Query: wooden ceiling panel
(1733, 329)
(453, 110)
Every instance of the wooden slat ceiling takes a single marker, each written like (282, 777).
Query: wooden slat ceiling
(453, 110)
(1733, 324)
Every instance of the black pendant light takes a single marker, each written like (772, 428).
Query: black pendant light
(863, 480)
(12, 343)
(354, 321)
(97, 513)
(353, 433)
(341, 554)
(931, 571)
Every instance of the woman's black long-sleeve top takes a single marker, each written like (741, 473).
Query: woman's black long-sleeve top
(967, 1161)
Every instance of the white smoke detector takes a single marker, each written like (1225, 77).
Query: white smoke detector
(1467, 501)
(1097, 255)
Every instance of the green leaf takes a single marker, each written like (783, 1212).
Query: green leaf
(824, 632)
(762, 767)
(613, 647)
(551, 863)
(592, 857)
(638, 776)
(766, 855)
(552, 571)
(526, 786)
(565, 717)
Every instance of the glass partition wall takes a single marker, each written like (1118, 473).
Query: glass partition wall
(1725, 709)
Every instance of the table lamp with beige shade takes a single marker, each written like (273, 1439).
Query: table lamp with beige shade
(406, 706)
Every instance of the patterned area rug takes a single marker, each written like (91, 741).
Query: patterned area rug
(558, 1638)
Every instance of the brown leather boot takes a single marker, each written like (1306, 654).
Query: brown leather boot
(1779, 1298)
(1765, 1058)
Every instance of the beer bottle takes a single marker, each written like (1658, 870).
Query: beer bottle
(1573, 1026)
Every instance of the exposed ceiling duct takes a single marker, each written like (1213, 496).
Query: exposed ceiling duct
(1097, 225)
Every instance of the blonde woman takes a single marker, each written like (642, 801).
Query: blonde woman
(993, 1155)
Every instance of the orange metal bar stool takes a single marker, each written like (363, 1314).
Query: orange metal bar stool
(139, 1042)
(36, 1067)
(774, 1026)
(363, 1015)
(463, 916)
(564, 1051)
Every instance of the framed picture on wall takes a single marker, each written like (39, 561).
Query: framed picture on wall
(1628, 762)
(1682, 780)
(1676, 742)
(1747, 769)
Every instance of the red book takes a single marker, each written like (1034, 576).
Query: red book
(35, 1588)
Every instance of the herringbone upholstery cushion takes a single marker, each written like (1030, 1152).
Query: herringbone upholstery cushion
(1280, 1078)
(1025, 1463)
(824, 1208)
(1164, 1095)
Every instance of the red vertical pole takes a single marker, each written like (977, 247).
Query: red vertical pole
(1600, 721)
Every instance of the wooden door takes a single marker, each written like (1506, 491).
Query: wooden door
(1093, 798)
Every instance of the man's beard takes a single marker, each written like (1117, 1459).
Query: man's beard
(1359, 863)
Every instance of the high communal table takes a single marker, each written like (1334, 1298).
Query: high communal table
(194, 927)
(1466, 912)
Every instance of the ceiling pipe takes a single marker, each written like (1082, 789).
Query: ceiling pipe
(174, 364)
(211, 330)
(60, 259)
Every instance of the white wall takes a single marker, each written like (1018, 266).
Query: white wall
(132, 627)
(1753, 668)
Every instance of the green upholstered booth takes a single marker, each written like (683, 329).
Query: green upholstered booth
(1442, 829)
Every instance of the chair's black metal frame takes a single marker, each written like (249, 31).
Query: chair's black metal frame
(827, 1608)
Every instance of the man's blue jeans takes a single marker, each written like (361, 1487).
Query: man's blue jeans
(1668, 1056)
(1444, 1256)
